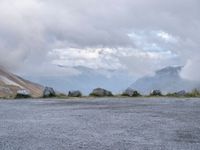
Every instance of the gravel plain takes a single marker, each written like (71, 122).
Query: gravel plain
(100, 124)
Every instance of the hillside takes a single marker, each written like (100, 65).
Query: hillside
(10, 83)
(166, 80)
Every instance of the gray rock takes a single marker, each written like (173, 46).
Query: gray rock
(23, 94)
(49, 92)
(130, 92)
(156, 93)
(99, 92)
(181, 93)
(74, 94)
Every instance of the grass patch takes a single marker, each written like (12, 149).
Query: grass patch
(193, 93)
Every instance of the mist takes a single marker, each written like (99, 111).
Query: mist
(137, 37)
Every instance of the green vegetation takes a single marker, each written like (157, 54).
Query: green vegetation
(193, 93)
(20, 96)
(156, 93)
(172, 95)
(135, 94)
(61, 96)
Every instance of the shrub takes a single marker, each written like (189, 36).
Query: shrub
(194, 93)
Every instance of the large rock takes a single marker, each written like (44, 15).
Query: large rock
(49, 92)
(156, 93)
(23, 94)
(74, 94)
(130, 92)
(99, 92)
(181, 93)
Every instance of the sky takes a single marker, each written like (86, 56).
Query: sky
(55, 38)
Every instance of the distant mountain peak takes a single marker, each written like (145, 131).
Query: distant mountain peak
(170, 70)
(167, 80)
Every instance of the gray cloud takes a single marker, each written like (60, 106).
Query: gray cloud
(30, 29)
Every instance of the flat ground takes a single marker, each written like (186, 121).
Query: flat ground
(106, 123)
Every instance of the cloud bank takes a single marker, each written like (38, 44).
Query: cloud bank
(134, 36)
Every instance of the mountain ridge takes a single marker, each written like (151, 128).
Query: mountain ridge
(11, 83)
(167, 80)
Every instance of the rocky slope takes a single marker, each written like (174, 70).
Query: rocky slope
(11, 83)
(167, 80)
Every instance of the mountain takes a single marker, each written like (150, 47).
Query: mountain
(11, 83)
(86, 81)
(167, 80)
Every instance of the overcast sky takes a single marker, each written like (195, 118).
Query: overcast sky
(135, 36)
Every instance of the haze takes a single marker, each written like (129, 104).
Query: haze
(64, 39)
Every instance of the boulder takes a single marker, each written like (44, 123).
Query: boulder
(130, 92)
(74, 94)
(181, 93)
(156, 93)
(49, 92)
(23, 94)
(99, 92)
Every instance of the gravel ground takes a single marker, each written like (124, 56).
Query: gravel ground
(100, 124)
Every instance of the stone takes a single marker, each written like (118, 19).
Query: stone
(156, 93)
(23, 93)
(99, 92)
(130, 92)
(74, 94)
(181, 93)
(49, 92)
